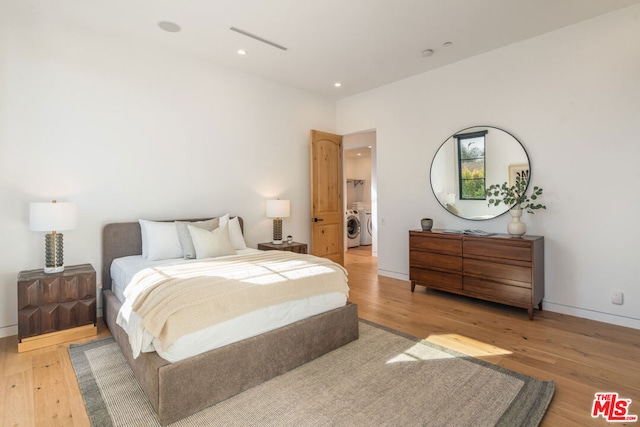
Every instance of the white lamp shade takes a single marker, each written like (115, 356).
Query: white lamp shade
(52, 216)
(278, 208)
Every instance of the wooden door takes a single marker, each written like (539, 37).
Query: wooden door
(327, 205)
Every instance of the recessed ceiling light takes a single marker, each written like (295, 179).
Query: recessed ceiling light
(447, 44)
(242, 52)
(169, 26)
(337, 84)
(428, 52)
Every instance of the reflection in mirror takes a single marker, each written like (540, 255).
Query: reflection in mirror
(468, 162)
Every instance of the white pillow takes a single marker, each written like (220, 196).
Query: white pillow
(159, 240)
(188, 251)
(224, 219)
(235, 232)
(211, 244)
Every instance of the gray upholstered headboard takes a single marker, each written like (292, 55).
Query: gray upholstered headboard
(124, 239)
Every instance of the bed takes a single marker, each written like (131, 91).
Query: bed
(184, 387)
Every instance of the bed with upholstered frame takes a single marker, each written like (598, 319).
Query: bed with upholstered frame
(179, 389)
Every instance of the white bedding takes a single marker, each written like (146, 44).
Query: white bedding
(218, 335)
(123, 269)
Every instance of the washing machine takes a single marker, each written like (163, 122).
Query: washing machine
(353, 228)
(366, 227)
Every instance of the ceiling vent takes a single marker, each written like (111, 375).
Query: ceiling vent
(260, 39)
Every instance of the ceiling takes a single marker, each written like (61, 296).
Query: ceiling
(361, 43)
(358, 153)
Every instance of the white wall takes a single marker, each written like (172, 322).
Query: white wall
(358, 168)
(128, 131)
(571, 97)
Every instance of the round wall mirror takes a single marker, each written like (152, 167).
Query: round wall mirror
(469, 162)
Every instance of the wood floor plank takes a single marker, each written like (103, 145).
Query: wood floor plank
(51, 391)
(16, 400)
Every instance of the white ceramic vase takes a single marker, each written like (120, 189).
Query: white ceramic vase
(516, 227)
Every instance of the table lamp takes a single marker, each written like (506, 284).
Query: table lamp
(52, 217)
(278, 209)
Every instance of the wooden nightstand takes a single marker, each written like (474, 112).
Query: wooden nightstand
(58, 307)
(300, 248)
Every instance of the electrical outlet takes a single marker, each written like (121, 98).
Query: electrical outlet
(617, 297)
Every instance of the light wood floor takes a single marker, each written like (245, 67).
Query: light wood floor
(582, 356)
(38, 388)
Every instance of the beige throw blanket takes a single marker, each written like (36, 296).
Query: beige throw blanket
(179, 299)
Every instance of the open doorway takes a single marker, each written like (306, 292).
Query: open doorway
(361, 195)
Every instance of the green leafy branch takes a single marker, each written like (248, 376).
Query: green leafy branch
(515, 196)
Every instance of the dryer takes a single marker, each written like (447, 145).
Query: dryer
(353, 228)
(366, 227)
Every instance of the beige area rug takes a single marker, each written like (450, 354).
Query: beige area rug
(385, 378)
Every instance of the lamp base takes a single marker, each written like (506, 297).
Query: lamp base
(53, 253)
(277, 231)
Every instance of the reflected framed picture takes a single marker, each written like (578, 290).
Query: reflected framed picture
(521, 169)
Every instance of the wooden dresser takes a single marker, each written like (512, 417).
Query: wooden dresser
(498, 268)
(58, 307)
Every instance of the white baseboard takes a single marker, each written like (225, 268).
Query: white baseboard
(628, 322)
(393, 275)
(7, 331)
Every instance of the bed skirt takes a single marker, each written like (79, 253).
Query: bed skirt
(177, 390)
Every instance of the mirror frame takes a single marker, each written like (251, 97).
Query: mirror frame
(452, 138)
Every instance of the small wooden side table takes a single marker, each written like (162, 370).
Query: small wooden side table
(300, 248)
(58, 307)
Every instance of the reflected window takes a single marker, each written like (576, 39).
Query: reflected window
(471, 167)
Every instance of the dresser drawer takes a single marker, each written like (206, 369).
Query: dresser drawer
(435, 279)
(496, 291)
(440, 245)
(437, 261)
(510, 274)
(492, 250)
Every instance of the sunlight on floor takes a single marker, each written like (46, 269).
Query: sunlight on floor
(459, 343)
(466, 345)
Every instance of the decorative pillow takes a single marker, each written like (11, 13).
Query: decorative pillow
(159, 240)
(211, 244)
(235, 232)
(188, 251)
